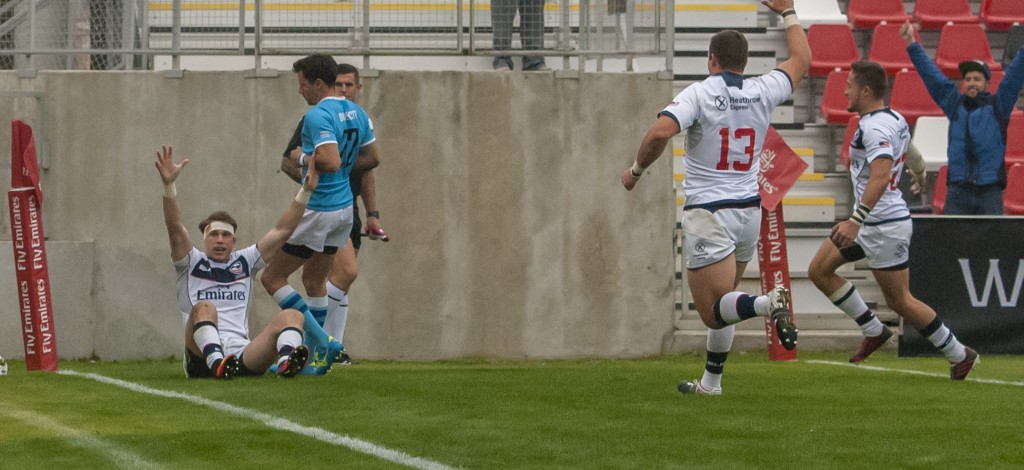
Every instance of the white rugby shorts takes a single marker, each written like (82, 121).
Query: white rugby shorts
(713, 236)
(319, 229)
(233, 344)
(886, 245)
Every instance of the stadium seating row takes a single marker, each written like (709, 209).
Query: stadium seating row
(833, 47)
(996, 15)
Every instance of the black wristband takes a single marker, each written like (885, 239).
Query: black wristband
(375, 214)
(788, 12)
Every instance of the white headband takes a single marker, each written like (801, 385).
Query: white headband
(218, 225)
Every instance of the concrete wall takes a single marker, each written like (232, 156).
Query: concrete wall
(512, 234)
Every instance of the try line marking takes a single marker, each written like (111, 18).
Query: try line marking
(275, 422)
(914, 372)
(121, 457)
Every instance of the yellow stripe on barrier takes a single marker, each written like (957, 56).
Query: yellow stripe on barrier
(809, 201)
(680, 201)
(803, 151)
(812, 177)
(677, 177)
(678, 151)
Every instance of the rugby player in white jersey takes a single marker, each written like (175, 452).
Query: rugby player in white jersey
(880, 227)
(215, 289)
(727, 118)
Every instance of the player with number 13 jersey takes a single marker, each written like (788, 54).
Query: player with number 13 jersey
(727, 117)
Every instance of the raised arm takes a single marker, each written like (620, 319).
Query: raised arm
(942, 90)
(279, 233)
(799, 61)
(181, 242)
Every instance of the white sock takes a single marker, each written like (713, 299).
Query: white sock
(208, 339)
(762, 305)
(337, 312)
(287, 340)
(318, 307)
(946, 341)
(719, 345)
(850, 302)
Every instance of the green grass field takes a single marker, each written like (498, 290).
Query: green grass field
(540, 414)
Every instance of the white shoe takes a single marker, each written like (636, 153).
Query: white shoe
(695, 388)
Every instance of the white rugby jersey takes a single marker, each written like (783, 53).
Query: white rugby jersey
(881, 134)
(227, 285)
(727, 117)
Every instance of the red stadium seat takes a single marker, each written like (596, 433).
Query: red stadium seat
(833, 101)
(939, 195)
(934, 14)
(889, 50)
(866, 14)
(999, 15)
(851, 128)
(960, 42)
(832, 47)
(1013, 196)
(911, 98)
(1015, 140)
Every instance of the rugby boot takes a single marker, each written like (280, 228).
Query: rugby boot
(871, 344)
(785, 329)
(959, 370)
(695, 388)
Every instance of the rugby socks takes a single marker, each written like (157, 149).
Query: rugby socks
(735, 307)
(315, 338)
(318, 307)
(208, 339)
(719, 344)
(850, 302)
(942, 338)
(289, 339)
(337, 311)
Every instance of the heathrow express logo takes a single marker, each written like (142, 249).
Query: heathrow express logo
(721, 103)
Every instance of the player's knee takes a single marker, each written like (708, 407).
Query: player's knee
(204, 310)
(291, 317)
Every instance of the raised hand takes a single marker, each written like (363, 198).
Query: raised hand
(169, 171)
(778, 6)
(907, 31)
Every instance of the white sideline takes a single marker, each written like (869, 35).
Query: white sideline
(914, 372)
(122, 458)
(275, 422)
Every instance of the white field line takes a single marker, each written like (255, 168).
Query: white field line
(121, 457)
(914, 372)
(275, 422)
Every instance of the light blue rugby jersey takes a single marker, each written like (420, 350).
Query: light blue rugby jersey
(338, 121)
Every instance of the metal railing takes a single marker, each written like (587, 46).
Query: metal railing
(127, 34)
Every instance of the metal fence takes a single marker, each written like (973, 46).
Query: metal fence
(127, 34)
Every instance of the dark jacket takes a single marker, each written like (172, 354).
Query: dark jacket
(977, 126)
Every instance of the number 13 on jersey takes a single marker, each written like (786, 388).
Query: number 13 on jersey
(744, 136)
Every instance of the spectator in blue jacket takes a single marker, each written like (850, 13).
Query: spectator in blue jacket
(977, 128)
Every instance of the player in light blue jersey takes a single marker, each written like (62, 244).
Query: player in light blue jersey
(338, 134)
(880, 228)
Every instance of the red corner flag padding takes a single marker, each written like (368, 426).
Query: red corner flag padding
(780, 168)
(34, 301)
